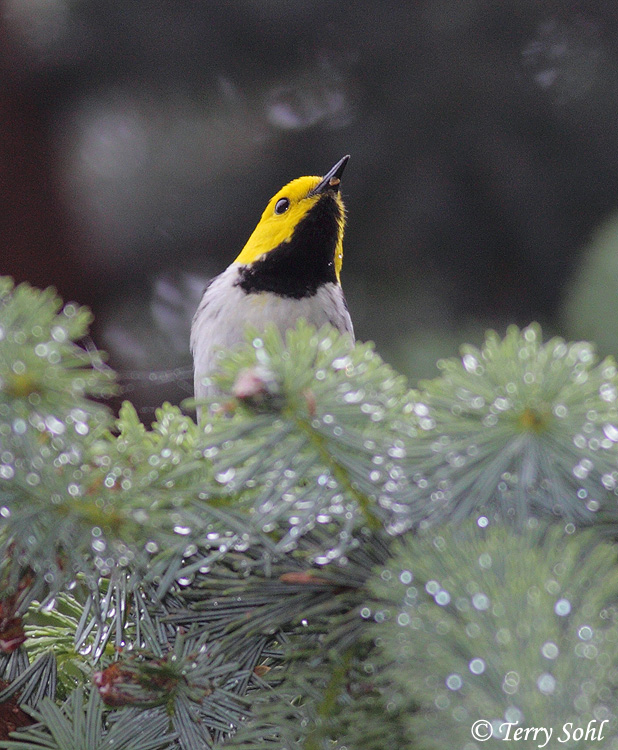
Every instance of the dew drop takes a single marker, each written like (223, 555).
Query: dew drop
(503, 636)
(562, 607)
(611, 432)
(511, 679)
(585, 633)
(513, 715)
(480, 602)
(477, 666)
(502, 404)
(470, 362)
(550, 650)
(223, 477)
(341, 363)
(546, 684)
(580, 471)
(6, 472)
(59, 334)
(19, 426)
(55, 426)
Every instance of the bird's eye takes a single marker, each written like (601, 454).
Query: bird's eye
(282, 205)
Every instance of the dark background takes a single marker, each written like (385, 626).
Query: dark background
(141, 141)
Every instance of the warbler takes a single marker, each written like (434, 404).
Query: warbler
(289, 269)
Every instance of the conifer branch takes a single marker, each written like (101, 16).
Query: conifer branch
(238, 584)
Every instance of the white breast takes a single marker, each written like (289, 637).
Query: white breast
(226, 309)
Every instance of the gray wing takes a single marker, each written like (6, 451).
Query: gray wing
(338, 316)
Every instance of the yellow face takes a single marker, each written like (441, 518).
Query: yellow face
(281, 217)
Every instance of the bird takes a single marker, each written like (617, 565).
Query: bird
(288, 269)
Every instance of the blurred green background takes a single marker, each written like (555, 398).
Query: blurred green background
(141, 141)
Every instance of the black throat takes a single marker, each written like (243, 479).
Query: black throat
(298, 268)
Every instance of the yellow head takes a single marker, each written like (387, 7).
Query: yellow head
(306, 218)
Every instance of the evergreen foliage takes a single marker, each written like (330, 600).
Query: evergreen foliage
(329, 560)
(487, 624)
(517, 427)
